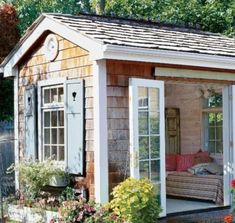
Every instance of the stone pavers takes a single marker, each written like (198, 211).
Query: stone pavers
(212, 216)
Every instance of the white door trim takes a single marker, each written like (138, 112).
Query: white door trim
(228, 137)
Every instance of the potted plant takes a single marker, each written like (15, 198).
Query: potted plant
(32, 202)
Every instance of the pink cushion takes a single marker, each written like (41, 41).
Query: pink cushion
(202, 157)
(184, 162)
(202, 153)
(171, 162)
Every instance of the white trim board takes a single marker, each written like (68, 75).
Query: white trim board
(186, 73)
(40, 84)
(228, 124)
(16, 128)
(100, 132)
(168, 57)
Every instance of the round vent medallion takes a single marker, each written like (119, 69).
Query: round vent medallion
(51, 47)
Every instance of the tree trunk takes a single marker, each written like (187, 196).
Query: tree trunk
(100, 7)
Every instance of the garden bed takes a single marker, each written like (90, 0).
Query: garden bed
(30, 215)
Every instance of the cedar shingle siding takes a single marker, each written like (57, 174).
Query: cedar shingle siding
(71, 62)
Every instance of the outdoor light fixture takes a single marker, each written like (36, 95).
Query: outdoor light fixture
(199, 93)
(204, 93)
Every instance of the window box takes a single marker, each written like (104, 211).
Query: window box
(58, 181)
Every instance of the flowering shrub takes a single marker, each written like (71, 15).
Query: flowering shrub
(233, 195)
(104, 215)
(76, 211)
(233, 184)
(135, 201)
(229, 217)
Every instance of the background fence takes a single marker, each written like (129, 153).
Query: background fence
(6, 156)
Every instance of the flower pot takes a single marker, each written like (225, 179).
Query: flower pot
(58, 181)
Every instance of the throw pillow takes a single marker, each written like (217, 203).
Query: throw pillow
(184, 162)
(171, 162)
(202, 157)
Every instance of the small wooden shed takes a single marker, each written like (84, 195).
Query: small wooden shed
(92, 91)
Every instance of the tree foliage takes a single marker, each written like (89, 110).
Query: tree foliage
(29, 10)
(210, 15)
(8, 24)
(9, 37)
(6, 99)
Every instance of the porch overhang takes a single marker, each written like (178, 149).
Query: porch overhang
(168, 57)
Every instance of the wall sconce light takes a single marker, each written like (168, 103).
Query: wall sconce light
(199, 93)
(205, 93)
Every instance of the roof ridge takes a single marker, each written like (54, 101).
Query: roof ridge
(149, 22)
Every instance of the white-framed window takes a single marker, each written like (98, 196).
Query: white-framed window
(213, 123)
(52, 109)
(54, 125)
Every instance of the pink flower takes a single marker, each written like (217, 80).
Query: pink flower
(228, 218)
(233, 183)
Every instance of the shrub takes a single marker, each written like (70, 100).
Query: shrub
(34, 175)
(135, 201)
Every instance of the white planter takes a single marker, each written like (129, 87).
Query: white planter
(58, 181)
(30, 215)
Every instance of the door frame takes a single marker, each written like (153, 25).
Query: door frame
(228, 140)
(134, 83)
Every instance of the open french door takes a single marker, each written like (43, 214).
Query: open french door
(147, 134)
(228, 140)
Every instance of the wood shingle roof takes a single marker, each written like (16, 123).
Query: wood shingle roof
(149, 35)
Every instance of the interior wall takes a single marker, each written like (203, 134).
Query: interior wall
(185, 98)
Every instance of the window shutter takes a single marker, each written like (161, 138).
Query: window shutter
(30, 123)
(74, 103)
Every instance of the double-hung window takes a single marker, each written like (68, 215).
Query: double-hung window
(213, 123)
(53, 123)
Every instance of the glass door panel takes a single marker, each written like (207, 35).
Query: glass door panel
(147, 134)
